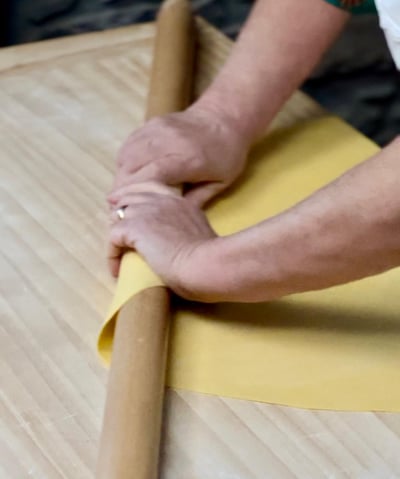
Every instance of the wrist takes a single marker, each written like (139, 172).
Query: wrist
(249, 266)
(228, 269)
(227, 113)
(204, 276)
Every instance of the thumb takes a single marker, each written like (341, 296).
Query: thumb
(202, 194)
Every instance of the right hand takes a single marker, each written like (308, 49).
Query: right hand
(194, 147)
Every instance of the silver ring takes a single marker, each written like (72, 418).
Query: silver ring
(121, 212)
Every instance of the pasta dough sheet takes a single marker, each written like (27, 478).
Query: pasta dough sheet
(333, 349)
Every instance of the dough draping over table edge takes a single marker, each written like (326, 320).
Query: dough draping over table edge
(334, 349)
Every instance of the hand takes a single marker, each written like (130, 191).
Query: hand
(194, 147)
(169, 232)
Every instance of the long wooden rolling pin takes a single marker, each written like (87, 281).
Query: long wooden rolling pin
(129, 444)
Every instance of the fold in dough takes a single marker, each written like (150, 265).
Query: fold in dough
(333, 349)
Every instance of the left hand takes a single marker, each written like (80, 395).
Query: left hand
(169, 232)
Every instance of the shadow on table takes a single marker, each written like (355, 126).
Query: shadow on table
(287, 314)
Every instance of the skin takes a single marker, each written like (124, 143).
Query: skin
(348, 230)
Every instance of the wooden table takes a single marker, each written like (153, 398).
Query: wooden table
(66, 106)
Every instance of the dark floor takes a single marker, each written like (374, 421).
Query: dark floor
(357, 79)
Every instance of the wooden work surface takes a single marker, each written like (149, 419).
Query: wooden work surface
(66, 106)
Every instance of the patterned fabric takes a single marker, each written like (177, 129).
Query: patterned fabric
(367, 6)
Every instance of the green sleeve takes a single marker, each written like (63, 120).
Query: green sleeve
(368, 6)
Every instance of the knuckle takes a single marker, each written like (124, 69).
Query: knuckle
(126, 157)
(158, 169)
(196, 161)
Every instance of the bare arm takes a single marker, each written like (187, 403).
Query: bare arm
(348, 230)
(278, 47)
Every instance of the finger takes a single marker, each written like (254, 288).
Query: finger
(200, 195)
(132, 157)
(149, 190)
(138, 206)
(126, 173)
(114, 265)
(114, 259)
(133, 148)
(118, 245)
(175, 169)
(128, 202)
(148, 172)
(168, 170)
(118, 193)
(145, 187)
(122, 178)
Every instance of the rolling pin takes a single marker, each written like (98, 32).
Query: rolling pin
(130, 438)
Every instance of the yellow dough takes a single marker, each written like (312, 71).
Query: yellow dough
(332, 349)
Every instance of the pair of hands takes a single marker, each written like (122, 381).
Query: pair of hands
(170, 231)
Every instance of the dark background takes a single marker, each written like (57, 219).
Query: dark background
(356, 80)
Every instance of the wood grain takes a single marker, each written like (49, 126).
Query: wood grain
(65, 109)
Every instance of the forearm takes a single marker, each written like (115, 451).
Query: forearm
(278, 48)
(348, 230)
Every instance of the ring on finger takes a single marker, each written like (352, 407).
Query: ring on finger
(120, 212)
